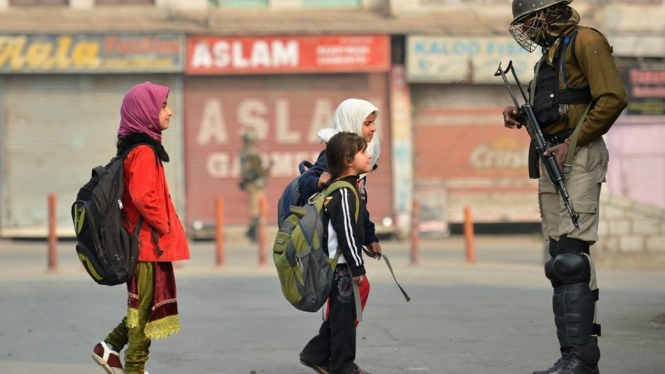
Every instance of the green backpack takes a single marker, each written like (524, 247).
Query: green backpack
(304, 269)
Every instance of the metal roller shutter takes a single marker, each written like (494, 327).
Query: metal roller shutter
(464, 156)
(56, 128)
(286, 112)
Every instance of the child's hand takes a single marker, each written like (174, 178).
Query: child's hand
(359, 278)
(375, 250)
(323, 179)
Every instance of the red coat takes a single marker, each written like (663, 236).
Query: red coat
(147, 194)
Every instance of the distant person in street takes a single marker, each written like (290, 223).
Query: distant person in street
(576, 95)
(254, 178)
(152, 308)
(333, 350)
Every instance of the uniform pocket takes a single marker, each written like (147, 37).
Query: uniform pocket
(597, 161)
(588, 221)
(600, 171)
(585, 207)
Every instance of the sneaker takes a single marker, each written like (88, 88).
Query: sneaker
(321, 369)
(107, 358)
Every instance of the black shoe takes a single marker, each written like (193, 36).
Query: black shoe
(319, 368)
(251, 234)
(358, 370)
(577, 366)
(557, 365)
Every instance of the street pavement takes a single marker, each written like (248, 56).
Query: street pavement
(492, 316)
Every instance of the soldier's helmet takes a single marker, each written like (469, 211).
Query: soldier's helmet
(248, 137)
(529, 21)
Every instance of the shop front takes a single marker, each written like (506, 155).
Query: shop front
(60, 99)
(463, 155)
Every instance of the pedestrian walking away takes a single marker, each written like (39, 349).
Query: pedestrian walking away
(333, 349)
(152, 309)
(576, 95)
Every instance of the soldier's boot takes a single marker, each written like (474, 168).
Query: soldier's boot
(577, 366)
(558, 309)
(252, 230)
(560, 363)
(579, 305)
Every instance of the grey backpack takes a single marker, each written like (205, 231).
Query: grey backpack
(304, 269)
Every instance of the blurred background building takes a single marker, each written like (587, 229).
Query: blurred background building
(279, 68)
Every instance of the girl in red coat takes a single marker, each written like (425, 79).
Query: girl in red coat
(152, 311)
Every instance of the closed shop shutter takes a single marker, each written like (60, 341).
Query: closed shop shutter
(464, 156)
(331, 4)
(240, 3)
(285, 112)
(55, 129)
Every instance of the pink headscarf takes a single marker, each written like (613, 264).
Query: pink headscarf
(140, 110)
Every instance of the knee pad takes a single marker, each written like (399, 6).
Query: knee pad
(572, 268)
(551, 275)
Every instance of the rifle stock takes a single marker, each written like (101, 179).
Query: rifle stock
(541, 145)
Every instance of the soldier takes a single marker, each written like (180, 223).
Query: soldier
(576, 95)
(254, 178)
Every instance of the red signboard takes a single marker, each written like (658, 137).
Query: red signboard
(287, 54)
(646, 91)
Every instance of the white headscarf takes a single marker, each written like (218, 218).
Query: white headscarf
(350, 116)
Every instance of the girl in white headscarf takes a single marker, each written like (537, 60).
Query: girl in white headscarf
(357, 116)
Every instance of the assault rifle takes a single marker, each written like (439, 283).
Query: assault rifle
(537, 138)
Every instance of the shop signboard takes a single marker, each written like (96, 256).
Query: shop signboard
(287, 54)
(468, 60)
(646, 91)
(90, 53)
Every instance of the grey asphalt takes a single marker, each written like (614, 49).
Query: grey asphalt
(493, 316)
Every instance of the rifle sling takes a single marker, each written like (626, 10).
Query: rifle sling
(568, 164)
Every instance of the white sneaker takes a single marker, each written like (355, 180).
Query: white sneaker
(107, 358)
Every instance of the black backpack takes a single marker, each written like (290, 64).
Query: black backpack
(107, 250)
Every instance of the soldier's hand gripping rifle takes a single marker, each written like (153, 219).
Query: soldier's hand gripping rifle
(536, 135)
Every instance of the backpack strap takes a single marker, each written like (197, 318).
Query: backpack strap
(337, 185)
(385, 258)
(358, 301)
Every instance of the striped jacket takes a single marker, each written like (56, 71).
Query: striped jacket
(343, 232)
